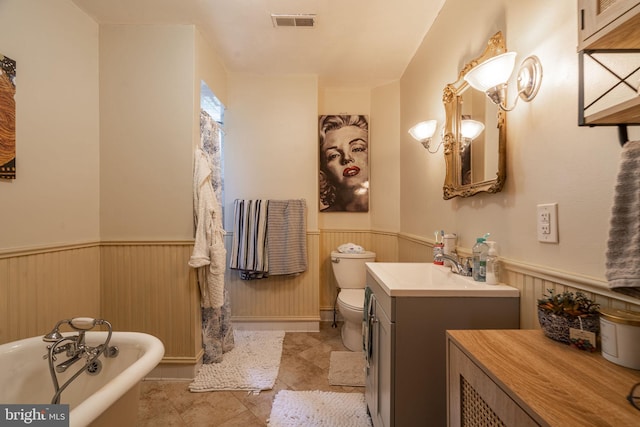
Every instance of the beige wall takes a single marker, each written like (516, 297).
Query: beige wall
(55, 198)
(385, 158)
(550, 158)
(54, 201)
(270, 134)
(210, 69)
(146, 131)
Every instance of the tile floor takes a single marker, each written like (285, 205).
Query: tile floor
(304, 366)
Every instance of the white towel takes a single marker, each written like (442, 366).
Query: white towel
(350, 248)
(249, 246)
(287, 236)
(623, 246)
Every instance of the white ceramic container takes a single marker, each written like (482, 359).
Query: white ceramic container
(620, 334)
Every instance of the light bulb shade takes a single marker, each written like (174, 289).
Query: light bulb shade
(423, 130)
(471, 128)
(492, 72)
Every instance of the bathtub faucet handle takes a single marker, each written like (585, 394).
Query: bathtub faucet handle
(111, 352)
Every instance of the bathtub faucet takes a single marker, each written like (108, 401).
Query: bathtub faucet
(76, 349)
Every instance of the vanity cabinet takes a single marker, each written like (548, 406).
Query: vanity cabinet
(378, 382)
(406, 380)
(521, 378)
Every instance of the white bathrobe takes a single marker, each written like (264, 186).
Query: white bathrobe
(209, 247)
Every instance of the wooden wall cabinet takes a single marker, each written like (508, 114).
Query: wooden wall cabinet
(608, 26)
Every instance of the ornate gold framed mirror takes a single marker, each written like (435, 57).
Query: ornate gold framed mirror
(475, 155)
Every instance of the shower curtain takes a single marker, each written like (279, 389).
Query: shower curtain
(209, 254)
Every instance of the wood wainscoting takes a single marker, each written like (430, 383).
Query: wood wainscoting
(284, 302)
(149, 287)
(40, 286)
(295, 303)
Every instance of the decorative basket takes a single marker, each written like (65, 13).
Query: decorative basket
(557, 327)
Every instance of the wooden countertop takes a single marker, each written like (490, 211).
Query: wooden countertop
(555, 383)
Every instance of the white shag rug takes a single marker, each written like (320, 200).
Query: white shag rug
(251, 365)
(318, 408)
(347, 368)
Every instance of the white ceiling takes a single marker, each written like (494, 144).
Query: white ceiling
(355, 43)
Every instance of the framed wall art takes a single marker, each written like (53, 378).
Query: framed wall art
(7, 118)
(344, 163)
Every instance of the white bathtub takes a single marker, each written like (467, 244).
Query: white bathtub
(108, 398)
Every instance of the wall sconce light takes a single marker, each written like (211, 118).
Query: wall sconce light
(492, 77)
(423, 132)
(470, 130)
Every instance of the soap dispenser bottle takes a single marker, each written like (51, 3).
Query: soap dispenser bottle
(492, 264)
(479, 251)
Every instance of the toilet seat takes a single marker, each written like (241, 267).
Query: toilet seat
(352, 299)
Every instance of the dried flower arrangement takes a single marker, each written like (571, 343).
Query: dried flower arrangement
(568, 304)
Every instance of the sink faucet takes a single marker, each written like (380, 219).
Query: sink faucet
(457, 267)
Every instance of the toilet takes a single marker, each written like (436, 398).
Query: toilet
(350, 272)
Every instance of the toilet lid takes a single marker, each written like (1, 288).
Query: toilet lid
(352, 298)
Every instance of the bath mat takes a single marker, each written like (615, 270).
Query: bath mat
(347, 368)
(252, 364)
(318, 408)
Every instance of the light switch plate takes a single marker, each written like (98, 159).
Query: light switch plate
(547, 223)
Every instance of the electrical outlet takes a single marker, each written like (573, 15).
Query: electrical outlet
(545, 216)
(547, 223)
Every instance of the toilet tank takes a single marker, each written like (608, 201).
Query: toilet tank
(350, 270)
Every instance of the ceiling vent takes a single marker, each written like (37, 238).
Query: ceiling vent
(300, 20)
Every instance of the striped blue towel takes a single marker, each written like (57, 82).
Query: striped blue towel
(249, 247)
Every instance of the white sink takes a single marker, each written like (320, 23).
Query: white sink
(428, 279)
